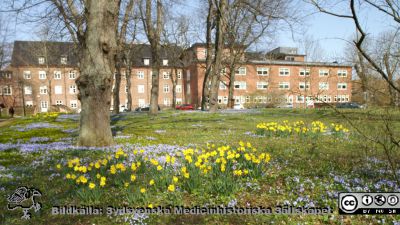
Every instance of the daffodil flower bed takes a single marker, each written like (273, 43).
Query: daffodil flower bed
(216, 170)
(300, 128)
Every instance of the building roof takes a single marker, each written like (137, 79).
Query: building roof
(26, 53)
(298, 63)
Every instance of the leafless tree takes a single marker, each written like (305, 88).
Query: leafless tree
(153, 33)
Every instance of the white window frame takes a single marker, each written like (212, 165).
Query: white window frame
(167, 101)
(43, 90)
(140, 74)
(323, 86)
(57, 75)
(44, 104)
(222, 86)
(342, 86)
(304, 72)
(323, 72)
(166, 75)
(262, 85)
(27, 75)
(165, 62)
(262, 71)
(72, 89)
(29, 103)
(178, 101)
(58, 89)
(305, 84)
(242, 85)
(284, 72)
(300, 99)
(166, 88)
(146, 61)
(141, 102)
(73, 104)
(42, 75)
(63, 60)
(72, 74)
(241, 71)
(59, 102)
(178, 88)
(6, 90)
(179, 75)
(27, 90)
(342, 73)
(41, 60)
(284, 85)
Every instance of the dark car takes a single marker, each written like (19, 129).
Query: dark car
(145, 109)
(185, 107)
(348, 105)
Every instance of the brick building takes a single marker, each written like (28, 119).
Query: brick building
(42, 74)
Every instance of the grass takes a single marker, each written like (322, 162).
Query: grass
(303, 171)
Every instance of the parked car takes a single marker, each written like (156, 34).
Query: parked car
(238, 106)
(185, 107)
(145, 109)
(348, 105)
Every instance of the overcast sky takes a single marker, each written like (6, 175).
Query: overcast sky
(331, 32)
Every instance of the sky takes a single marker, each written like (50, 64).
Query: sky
(330, 32)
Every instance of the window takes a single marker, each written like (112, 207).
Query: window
(27, 75)
(284, 85)
(178, 88)
(165, 75)
(241, 85)
(73, 104)
(41, 61)
(140, 74)
(262, 71)
(58, 90)
(323, 86)
(289, 58)
(72, 74)
(167, 102)
(342, 86)
(300, 99)
(29, 103)
(7, 90)
(43, 90)
(27, 90)
(166, 88)
(342, 73)
(57, 75)
(72, 89)
(63, 60)
(165, 62)
(140, 88)
(222, 99)
(289, 99)
(284, 72)
(247, 99)
(304, 72)
(178, 101)
(323, 73)
(304, 85)
(44, 104)
(126, 89)
(241, 71)
(222, 86)
(146, 62)
(42, 75)
(141, 102)
(223, 71)
(59, 102)
(7, 75)
(262, 85)
(179, 75)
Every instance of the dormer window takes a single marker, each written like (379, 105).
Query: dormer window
(63, 60)
(165, 62)
(146, 62)
(41, 60)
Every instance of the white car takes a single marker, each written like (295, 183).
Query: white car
(238, 106)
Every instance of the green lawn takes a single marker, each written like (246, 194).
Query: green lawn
(305, 170)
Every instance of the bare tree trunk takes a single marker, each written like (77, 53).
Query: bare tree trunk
(231, 100)
(205, 89)
(117, 85)
(389, 72)
(219, 47)
(174, 78)
(361, 72)
(97, 63)
(128, 86)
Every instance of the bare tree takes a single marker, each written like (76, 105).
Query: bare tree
(153, 33)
